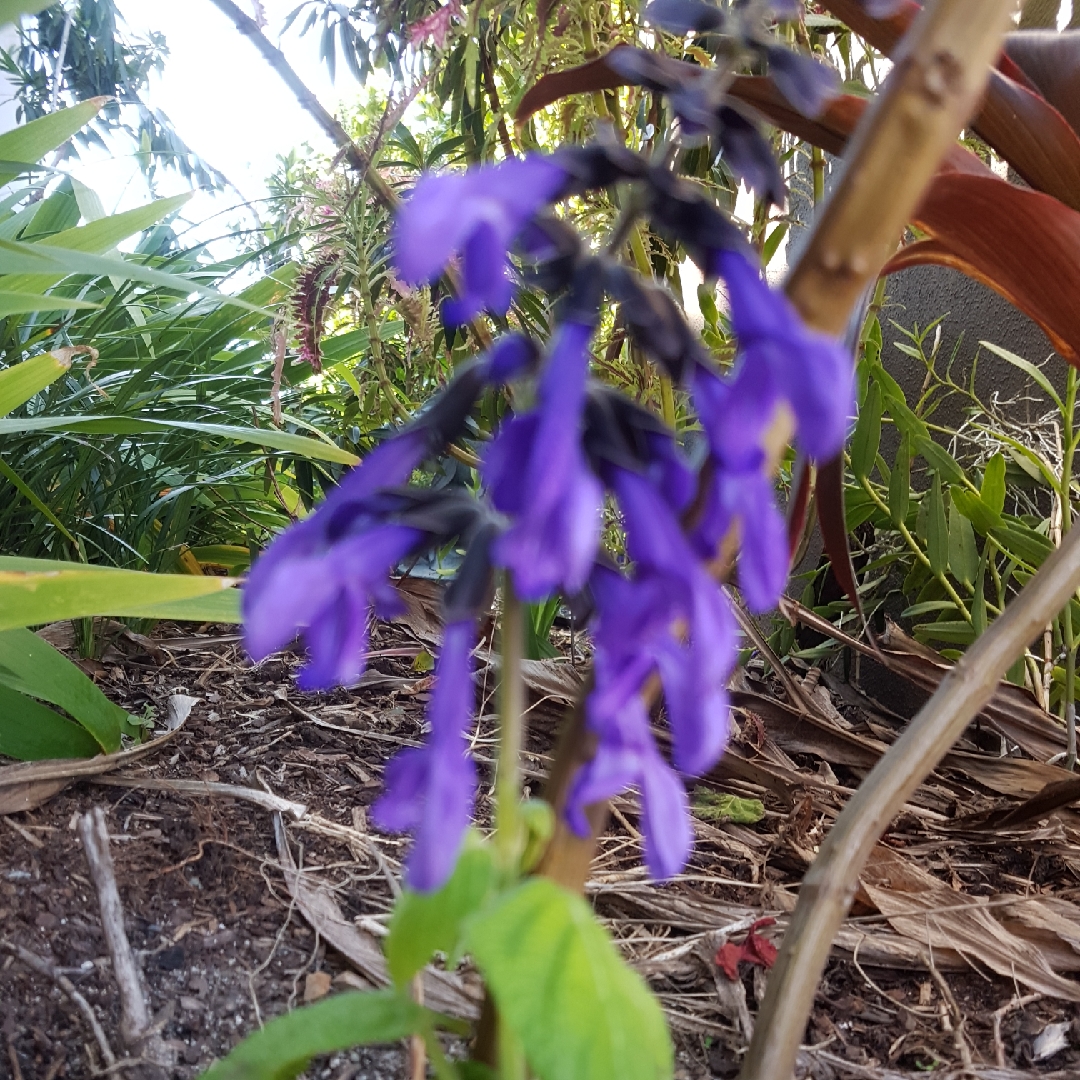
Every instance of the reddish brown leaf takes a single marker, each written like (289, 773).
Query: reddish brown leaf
(830, 131)
(583, 79)
(800, 500)
(830, 512)
(1052, 62)
(754, 950)
(1023, 244)
(1026, 130)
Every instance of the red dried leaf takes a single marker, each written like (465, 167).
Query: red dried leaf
(754, 950)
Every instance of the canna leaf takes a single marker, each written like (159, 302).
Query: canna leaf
(30, 731)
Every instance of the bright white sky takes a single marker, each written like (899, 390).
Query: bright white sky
(224, 100)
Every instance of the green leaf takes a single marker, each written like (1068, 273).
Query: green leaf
(72, 591)
(285, 1046)
(955, 632)
(940, 460)
(712, 806)
(50, 264)
(425, 922)
(993, 485)
(1023, 542)
(900, 483)
(215, 607)
(20, 303)
(31, 142)
(20, 382)
(978, 602)
(975, 509)
(94, 238)
(580, 1012)
(42, 672)
(963, 554)
(30, 731)
(867, 437)
(1028, 369)
(937, 531)
(300, 445)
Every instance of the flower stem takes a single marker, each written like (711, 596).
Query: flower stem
(511, 722)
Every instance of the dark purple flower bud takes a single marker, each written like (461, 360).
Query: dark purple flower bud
(536, 472)
(430, 790)
(480, 214)
(597, 165)
(750, 155)
(807, 83)
(655, 321)
(685, 16)
(685, 211)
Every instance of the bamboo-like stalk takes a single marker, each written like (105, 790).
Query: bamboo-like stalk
(941, 72)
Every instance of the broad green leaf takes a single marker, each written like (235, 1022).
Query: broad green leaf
(42, 261)
(20, 382)
(867, 437)
(94, 238)
(217, 607)
(20, 303)
(580, 1012)
(42, 672)
(284, 1047)
(425, 922)
(316, 449)
(30, 731)
(31, 142)
(937, 531)
(993, 485)
(712, 806)
(963, 554)
(1029, 369)
(975, 509)
(900, 483)
(72, 591)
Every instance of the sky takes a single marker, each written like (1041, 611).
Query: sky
(224, 100)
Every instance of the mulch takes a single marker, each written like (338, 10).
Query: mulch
(959, 957)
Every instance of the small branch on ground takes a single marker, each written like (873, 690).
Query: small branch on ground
(43, 967)
(136, 1027)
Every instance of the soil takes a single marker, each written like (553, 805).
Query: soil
(223, 947)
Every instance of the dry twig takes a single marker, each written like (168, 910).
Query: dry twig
(136, 1028)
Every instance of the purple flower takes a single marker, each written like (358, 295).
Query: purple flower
(480, 214)
(782, 360)
(430, 790)
(536, 473)
(807, 83)
(322, 576)
(627, 757)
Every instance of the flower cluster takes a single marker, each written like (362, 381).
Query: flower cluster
(661, 622)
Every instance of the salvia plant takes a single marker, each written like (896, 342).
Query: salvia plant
(572, 450)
